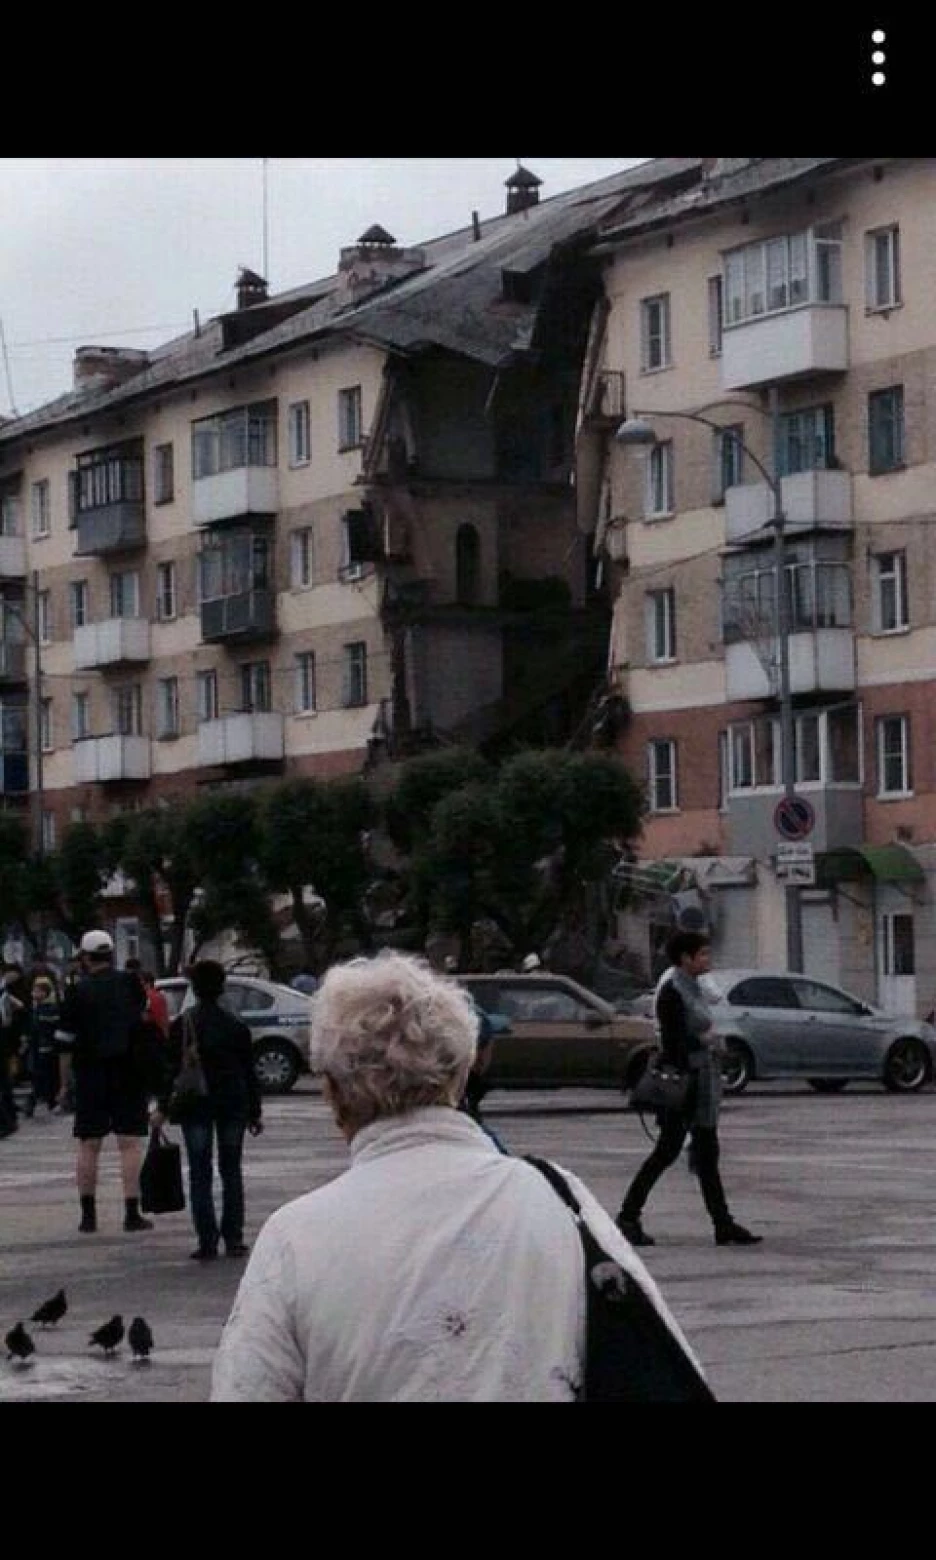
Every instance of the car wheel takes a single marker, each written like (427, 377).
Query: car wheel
(737, 1068)
(828, 1085)
(276, 1065)
(906, 1067)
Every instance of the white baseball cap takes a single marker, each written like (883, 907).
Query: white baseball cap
(97, 942)
(531, 962)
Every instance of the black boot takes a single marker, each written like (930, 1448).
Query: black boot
(133, 1219)
(88, 1225)
(735, 1235)
(633, 1230)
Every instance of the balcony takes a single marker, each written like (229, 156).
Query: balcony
(243, 738)
(12, 557)
(12, 661)
(115, 757)
(239, 617)
(810, 339)
(838, 813)
(607, 400)
(14, 774)
(112, 528)
(821, 661)
(113, 642)
(232, 495)
(812, 500)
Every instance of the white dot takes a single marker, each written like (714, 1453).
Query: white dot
(878, 58)
(878, 78)
(878, 36)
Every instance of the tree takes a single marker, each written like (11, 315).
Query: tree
(312, 837)
(221, 836)
(151, 848)
(81, 868)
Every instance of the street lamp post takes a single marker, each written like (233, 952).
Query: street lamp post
(637, 430)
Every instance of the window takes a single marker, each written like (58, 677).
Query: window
(44, 616)
(765, 991)
(245, 436)
(350, 419)
(163, 474)
(41, 509)
(48, 831)
(661, 625)
(79, 815)
(885, 430)
(728, 460)
(167, 707)
(655, 333)
(300, 435)
(467, 565)
(893, 755)
(231, 564)
(347, 569)
(78, 602)
(80, 722)
(165, 591)
(807, 440)
(207, 686)
(659, 494)
(106, 476)
(891, 611)
(741, 756)
(45, 725)
(882, 268)
(662, 776)
(255, 686)
(127, 709)
(354, 681)
(724, 775)
(125, 594)
(814, 997)
(899, 953)
(9, 514)
(774, 274)
(301, 558)
(716, 313)
(305, 681)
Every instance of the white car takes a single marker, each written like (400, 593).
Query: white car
(278, 1017)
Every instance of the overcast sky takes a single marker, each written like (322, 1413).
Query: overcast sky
(119, 251)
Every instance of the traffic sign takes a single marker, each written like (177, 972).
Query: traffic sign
(796, 864)
(793, 817)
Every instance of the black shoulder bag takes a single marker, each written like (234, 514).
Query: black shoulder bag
(631, 1354)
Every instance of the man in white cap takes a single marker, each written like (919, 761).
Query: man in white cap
(98, 1029)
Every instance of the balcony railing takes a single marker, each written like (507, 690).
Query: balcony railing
(114, 757)
(809, 339)
(244, 737)
(113, 642)
(242, 616)
(117, 528)
(812, 500)
(607, 401)
(230, 495)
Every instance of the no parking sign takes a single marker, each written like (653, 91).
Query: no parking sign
(794, 818)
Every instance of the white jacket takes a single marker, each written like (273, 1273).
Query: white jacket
(434, 1269)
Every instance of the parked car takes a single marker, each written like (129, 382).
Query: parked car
(777, 1024)
(277, 1016)
(560, 1034)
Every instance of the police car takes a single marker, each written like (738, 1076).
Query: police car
(277, 1016)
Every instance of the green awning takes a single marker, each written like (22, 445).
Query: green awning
(887, 863)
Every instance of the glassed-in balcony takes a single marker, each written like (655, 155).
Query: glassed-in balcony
(827, 773)
(234, 464)
(243, 737)
(107, 502)
(811, 499)
(237, 599)
(113, 642)
(12, 557)
(12, 661)
(821, 639)
(114, 757)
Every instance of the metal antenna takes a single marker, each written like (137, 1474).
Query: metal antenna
(266, 229)
(6, 364)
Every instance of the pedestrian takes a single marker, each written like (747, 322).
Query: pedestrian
(12, 1023)
(44, 1014)
(688, 1042)
(433, 1269)
(157, 1008)
(231, 1107)
(99, 1029)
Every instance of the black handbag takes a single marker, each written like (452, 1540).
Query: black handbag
(189, 1087)
(631, 1353)
(661, 1086)
(161, 1189)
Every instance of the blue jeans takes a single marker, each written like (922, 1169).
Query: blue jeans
(199, 1145)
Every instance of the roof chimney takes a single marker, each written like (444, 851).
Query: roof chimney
(522, 190)
(375, 261)
(251, 289)
(103, 368)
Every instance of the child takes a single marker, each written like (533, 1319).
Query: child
(43, 1057)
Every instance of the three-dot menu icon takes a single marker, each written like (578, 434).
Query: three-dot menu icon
(878, 57)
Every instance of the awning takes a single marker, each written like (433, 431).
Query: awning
(887, 863)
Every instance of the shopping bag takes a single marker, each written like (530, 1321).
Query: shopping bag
(161, 1189)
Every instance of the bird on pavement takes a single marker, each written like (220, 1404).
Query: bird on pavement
(109, 1335)
(140, 1338)
(51, 1311)
(19, 1344)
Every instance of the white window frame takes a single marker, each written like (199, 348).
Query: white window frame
(40, 509)
(659, 775)
(305, 693)
(167, 707)
(661, 626)
(78, 602)
(784, 272)
(659, 496)
(882, 269)
(729, 438)
(302, 558)
(80, 722)
(655, 334)
(891, 598)
(166, 598)
(350, 418)
(886, 749)
(123, 586)
(44, 616)
(354, 675)
(256, 684)
(716, 313)
(10, 514)
(46, 717)
(127, 709)
(163, 473)
(209, 706)
(300, 433)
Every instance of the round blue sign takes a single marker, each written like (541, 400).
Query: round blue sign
(794, 818)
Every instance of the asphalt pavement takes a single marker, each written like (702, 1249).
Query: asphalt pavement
(837, 1305)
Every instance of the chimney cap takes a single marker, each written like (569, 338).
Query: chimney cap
(376, 235)
(522, 179)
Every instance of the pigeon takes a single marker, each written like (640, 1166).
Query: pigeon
(51, 1311)
(109, 1335)
(19, 1343)
(140, 1338)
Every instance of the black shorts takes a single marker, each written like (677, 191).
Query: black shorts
(110, 1097)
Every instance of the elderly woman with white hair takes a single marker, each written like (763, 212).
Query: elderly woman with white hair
(433, 1269)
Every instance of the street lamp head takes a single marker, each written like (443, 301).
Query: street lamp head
(635, 431)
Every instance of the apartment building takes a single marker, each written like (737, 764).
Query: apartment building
(314, 534)
(780, 309)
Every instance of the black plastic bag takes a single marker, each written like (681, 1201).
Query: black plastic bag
(161, 1189)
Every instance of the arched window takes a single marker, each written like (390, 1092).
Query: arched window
(467, 565)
